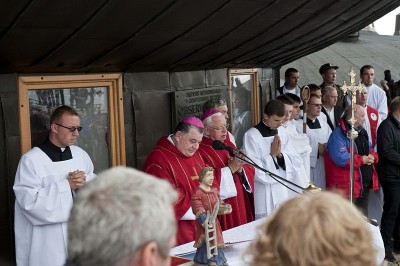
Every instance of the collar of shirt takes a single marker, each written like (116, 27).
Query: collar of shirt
(313, 124)
(54, 152)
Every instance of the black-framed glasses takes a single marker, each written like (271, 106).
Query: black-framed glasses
(70, 129)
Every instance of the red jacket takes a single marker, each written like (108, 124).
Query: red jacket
(337, 163)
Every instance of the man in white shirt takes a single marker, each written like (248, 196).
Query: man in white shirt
(376, 95)
(318, 132)
(292, 77)
(330, 108)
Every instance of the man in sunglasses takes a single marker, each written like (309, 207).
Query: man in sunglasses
(47, 179)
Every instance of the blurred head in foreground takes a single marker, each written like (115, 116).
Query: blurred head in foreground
(123, 217)
(314, 229)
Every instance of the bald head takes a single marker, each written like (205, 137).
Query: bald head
(359, 115)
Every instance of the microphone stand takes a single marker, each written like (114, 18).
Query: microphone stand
(310, 188)
(276, 177)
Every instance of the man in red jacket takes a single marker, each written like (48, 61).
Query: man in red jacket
(337, 160)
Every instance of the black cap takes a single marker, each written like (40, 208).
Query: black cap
(326, 67)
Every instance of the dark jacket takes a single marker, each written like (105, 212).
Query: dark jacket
(388, 143)
(338, 111)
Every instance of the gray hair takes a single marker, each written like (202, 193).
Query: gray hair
(347, 112)
(327, 90)
(116, 214)
(208, 121)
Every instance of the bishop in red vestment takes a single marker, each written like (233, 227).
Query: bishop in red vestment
(175, 159)
(233, 179)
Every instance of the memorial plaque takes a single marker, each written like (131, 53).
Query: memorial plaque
(190, 102)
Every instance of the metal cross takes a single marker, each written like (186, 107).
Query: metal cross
(352, 134)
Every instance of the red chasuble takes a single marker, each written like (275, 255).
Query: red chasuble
(243, 203)
(182, 172)
(203, 201)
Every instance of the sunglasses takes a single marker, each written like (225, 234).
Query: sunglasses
(70, 129)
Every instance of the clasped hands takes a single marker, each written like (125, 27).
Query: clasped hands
(235, 164)
(321, 149)
(276, 147)
(76, 179)
(368, 159)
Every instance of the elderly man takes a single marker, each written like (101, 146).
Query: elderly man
(45, 184)
(222, 106)
(338, 157)
(175, 159)
(233, 178)
(270, 148)
(330, 108)
(318, 133)
(124, 217)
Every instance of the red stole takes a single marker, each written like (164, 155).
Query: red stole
(373, 115)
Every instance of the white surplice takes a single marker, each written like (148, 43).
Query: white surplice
(269, 193)
(301, 145)
(317, 165)
(42, 206)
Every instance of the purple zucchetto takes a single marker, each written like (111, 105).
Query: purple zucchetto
(193, 121)
(209, 113)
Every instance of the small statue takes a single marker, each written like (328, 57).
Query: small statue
(206, 205)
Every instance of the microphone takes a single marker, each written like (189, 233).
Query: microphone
(218, 145)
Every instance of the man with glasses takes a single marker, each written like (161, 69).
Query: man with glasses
(233, 178)
(222, 106)
(318, 132)
(47, 179)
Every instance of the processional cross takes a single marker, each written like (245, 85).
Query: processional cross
(352, 134)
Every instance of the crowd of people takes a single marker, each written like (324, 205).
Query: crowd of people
(128, 217)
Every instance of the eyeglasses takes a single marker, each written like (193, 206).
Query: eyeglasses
(221, 127)
(70, 129)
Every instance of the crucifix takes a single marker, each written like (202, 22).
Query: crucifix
(352, 134)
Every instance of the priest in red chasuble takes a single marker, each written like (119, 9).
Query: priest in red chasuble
(175, 159)
(233, 178)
